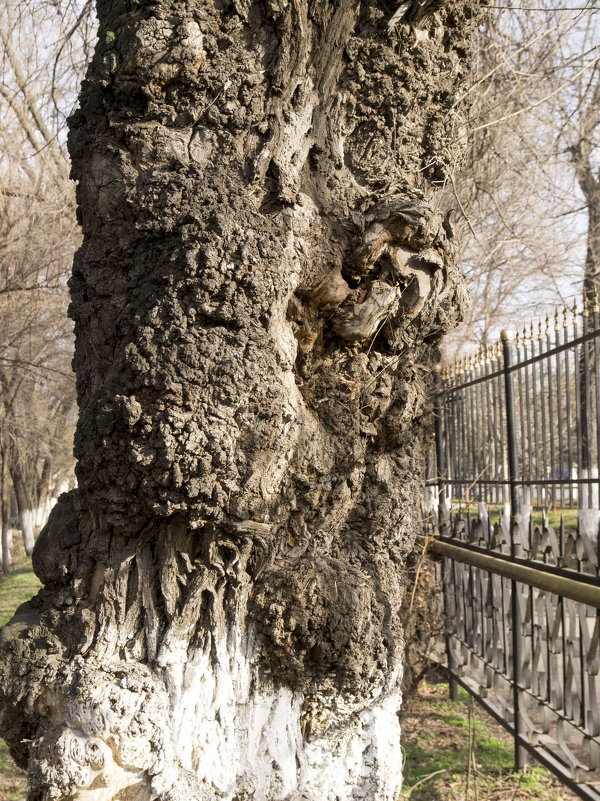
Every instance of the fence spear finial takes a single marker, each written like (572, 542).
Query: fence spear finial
(556, 324)
(565, 316)
(547, 331)
(586, 307)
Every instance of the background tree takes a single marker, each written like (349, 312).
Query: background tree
(262, 279)
(43, 47)
(521, 214)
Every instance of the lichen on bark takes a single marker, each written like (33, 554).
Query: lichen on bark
(262, 277)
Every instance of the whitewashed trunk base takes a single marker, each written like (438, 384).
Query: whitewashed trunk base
(235, 730)
(218, 731)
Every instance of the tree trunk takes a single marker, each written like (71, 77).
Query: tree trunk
(25, 509)
(5, 510)
(262, 276)
(590, 187)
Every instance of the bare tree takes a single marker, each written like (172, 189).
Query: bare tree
(43, 47)
(520, 211)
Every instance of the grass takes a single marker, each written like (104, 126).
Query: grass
(569, 516)
(16, 587)
(13, 780)
(440, 737)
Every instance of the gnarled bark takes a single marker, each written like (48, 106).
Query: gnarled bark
(262, 274)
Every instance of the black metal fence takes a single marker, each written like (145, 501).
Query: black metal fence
(511, 498)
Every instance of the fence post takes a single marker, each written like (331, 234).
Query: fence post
(439, 448)
(508, 337)
(442, 510)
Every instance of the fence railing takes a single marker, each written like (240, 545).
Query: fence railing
(512, 498)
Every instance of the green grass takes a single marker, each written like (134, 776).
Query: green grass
(496, 756)
(569, 516)
(440, 737)
(13, 780)
(554, 515)
(16, 587)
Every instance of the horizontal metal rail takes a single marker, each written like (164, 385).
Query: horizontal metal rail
(580, 590)
(545, 567)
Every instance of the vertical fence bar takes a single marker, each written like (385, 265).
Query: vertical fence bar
(443, 516)
(530, 456)
(551, 474)
(439, 448)
(569, 424)
(449, 580)
(546, 488)
(596, 416)
(496, 422)
(586, 401)
(559, 394)
(536, 432)
(513, 466)
(578, 408)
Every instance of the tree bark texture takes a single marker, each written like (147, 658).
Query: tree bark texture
(262, 277)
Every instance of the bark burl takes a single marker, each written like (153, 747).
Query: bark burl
(262, 274)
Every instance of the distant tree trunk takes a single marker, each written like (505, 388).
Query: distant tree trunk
(5, 508)
(25, 509)
(589, 183)
(262, 276)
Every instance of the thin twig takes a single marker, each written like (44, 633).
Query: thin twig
(424, 547)
(425, 779)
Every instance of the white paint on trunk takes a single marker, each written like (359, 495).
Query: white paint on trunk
(234, 729)
(588, 491)
(27, 522)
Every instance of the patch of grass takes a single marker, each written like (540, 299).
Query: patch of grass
(13, 780)
(454, 719)
(489, 751)
(16, 587)
(436, 737)
(569, 516)
(497, 756)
